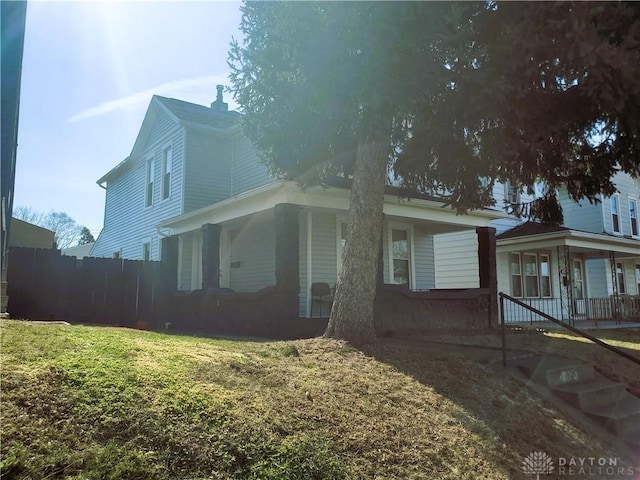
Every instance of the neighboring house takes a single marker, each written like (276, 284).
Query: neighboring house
(574, 271)
(215, 212)
(24, 234)
(79, 251)
(571, 272)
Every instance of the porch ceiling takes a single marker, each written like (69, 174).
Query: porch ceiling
(590, 245)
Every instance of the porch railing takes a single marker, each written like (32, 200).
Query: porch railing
(550, 318)
(575, 311)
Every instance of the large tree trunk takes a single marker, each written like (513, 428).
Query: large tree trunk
(351, 317)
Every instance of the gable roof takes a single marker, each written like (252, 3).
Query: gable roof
(191, 113)
(182, 113)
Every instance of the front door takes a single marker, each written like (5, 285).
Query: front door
(577, 286)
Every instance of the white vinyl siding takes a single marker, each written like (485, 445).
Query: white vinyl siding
(325, 257)
(581, 216)
(425, 271)
(253, 257)
(247, 171)
(456, 260)
(127, 221)
(208, 170)
(599, 277)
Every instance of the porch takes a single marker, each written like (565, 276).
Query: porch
(581, 278)
(581, 313)
(259, 256)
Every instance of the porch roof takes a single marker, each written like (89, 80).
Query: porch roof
(333, 198)
(536, 236)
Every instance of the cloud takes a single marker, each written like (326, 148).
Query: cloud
(198, 90)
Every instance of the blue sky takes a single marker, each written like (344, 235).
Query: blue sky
(88, 74)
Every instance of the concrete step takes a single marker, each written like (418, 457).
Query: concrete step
(621, 418)
(590, 393)
(606, 403)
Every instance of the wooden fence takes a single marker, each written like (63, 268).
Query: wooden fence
(45, 285)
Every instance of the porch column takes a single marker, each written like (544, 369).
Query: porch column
(488, 270)
(169, 261)
(210, 256)
(287, 258)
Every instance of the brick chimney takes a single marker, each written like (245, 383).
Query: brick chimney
(219, 105)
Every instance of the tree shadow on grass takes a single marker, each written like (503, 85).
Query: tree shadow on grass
(493, 405)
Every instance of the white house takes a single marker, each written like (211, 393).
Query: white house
(589, 268)
(193, 190)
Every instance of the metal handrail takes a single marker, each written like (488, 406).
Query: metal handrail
(577, 331)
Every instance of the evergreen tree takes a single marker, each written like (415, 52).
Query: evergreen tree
(449, 97)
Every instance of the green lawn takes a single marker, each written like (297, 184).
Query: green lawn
(106, 403)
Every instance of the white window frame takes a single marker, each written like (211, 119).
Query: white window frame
(638, 278)
(149, 185)
(146, 250)
(166, 169)
(578, 263)
(508, 189)
(634, 210)
(548, 256)
(615, 217)
(620, 277)
(523, 276)
(512, 274)
(411, 251)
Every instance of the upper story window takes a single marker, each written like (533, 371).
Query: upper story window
(615, 213)
(167, 161)
(151, 170)
(511, 193)
(633, 215)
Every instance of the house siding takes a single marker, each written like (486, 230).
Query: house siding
(208, 171)
(304, 284)
(162, 126)
(324, 248)
(456, 260)
(128, 223)
(253, 246)
(247, 172)
(581, 215)
(424, 259)
(598, 274)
